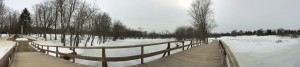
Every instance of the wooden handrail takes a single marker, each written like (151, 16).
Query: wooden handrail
(114, 47)
(227, 54)
(104, 58)
(7, 59)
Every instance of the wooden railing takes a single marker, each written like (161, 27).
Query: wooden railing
(104, 58)
(7, 59)
(228, 57)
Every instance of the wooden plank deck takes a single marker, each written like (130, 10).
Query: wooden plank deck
(37, 59)
(27, 56)
(200, 56)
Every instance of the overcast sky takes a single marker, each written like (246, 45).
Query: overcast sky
(160, 15)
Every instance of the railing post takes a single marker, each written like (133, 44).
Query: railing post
(169, 46)
(104, 63)
(73, 54)
(38, 47)
(34, 45)
(142, 54)
(42, 50)
(47, 50)
(56, 51)
(191, 44)
(182, 45)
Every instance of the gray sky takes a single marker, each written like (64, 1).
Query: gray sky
(160, 15)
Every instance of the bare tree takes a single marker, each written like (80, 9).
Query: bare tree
(3, 12)
(46, 15)
(13, 22)
(56, 5)
(234, 33)
(61, 5)
(184, 32)
(95, 26)
(180, 33)
(83, 13)
(118, 30)
(37, 22)
(105, 26)
(203, 22)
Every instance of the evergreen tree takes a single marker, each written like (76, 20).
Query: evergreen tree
(25, 20)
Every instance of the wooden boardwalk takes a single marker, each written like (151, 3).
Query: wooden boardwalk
(200, 56)
(38, 59)
(26, 56)
(206, 55)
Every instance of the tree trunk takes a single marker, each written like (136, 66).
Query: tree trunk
(93, 37)
(87, 40)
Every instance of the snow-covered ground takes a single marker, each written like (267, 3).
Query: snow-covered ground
(21, 39)
(265, 51)
(5, 45)
(127, 52)
(119, 52)
(111, 52)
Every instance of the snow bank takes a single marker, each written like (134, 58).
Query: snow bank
(21, 39)
(265, 51)
(5, 45)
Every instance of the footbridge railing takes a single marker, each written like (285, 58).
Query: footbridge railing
(7, 59)
(229, 59)
(105, 59)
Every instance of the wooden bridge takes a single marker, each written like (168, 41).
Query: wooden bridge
(215, 54)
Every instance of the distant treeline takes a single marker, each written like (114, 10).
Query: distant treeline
(262, 32)
(187, 32)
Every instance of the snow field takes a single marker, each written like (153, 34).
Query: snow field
(250, 51)
(265, 51)
(111, 52)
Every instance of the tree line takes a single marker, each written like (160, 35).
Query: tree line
(262, 32)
